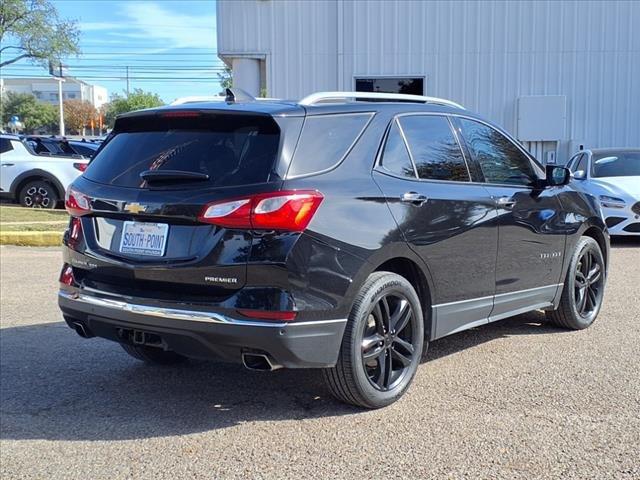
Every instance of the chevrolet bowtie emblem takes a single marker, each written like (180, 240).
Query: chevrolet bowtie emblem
(135, 207)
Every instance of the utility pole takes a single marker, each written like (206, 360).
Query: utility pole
(127, 81)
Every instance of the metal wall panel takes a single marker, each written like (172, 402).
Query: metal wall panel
(481, 54)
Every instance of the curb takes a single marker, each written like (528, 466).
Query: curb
(31, 239)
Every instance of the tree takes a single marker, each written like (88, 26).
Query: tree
(33, 114)
(78, 114)
(137, 100)
(32, 29)
(226, 78)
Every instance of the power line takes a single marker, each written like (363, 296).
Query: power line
(110, 77)
(143, 68)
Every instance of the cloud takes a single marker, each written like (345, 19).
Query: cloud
(154, 22)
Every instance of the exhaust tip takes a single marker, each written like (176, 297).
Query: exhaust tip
(258, 361)
(81, 330)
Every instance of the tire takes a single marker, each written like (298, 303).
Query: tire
(383, 339)
(38, 194)
(152, 355)
(583, 288)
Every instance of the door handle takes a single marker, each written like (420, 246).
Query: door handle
(413, 197)
(7, 164)
(505, 202)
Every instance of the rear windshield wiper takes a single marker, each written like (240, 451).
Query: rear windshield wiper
(173, 175)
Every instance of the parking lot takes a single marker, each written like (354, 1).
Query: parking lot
(516, 399)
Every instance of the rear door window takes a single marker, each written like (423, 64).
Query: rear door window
(434, 148)
(230, 149)
(325, 140)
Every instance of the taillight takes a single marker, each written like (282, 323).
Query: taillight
(80, 166)
(284, 316)
(286, 210)
(66, 276)
(77, 203)
(75, 231)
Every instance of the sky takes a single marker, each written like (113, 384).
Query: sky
(169, 46)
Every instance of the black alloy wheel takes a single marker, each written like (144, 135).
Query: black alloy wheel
(583, 289)
(387, 343)
(382, 343)
(589, 282)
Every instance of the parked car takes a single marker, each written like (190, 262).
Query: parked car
(328, 233)
(84, 148)
(60, 146)
(32, 179)
(613, 176)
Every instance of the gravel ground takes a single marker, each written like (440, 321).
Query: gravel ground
(515, 399)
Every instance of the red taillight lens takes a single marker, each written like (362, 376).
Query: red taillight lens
(66, 276)
(77, 203)
(75, 231)
(80, 166)
(284, 316)
(287, 210)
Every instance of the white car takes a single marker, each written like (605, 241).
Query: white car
(35, 180)
(613, 176)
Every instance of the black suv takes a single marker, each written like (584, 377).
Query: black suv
(341, 232)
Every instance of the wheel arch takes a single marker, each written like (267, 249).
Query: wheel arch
(599, 236)
(33, 175)
(416, 276)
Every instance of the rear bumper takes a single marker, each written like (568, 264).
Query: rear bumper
(206, 334)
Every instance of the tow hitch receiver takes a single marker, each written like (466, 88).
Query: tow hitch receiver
(138, 337)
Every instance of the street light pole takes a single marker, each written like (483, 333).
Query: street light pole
(58, 76)
(61, 108)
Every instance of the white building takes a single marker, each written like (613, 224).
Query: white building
(46, 89)
(556, 74)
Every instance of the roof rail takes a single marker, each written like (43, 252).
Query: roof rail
(318, 97)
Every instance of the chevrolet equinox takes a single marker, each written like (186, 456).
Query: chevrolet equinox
(343, 232)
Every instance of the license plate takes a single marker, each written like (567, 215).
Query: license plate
(141, 238)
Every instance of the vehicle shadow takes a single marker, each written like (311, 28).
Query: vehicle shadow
(532, 323)
(55, 385)
(625, 242)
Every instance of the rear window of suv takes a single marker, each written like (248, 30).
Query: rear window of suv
(325, 140)
(231, 149)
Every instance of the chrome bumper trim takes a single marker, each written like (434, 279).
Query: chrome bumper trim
(178, 314)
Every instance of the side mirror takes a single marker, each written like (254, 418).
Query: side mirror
(579, 175)
(557, 176)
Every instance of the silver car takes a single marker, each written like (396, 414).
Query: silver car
(613, 176)
(36, 180)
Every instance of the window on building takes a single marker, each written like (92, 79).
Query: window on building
(395, 158)
(409, 85)
(499, 158)
(434, 148)
(71, 95)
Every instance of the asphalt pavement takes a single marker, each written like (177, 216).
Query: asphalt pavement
(514, 399)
